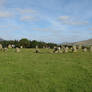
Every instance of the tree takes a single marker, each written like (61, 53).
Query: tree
(25, 43)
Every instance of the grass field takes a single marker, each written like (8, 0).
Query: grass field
(45, 72)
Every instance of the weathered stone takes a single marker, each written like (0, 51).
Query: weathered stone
(57, 50)
(48, 47)
(43, 47)
(5, 49)
(91, 48)
(13, 46)
(17, 49)
(1, 46)
(66, 49)
(74, 49)
(36, 47)
(85, 49)
(55, 47)
(21, 47)
(9, 46)
(80, 47)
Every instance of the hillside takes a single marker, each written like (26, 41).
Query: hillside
(86, 42)
(1, 39)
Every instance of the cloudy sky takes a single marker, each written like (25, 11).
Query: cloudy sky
(46, 20)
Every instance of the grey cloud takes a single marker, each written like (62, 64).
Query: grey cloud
(89, 28)
(2, 2)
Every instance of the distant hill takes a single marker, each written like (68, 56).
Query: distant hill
(1, 39)
(86, 42)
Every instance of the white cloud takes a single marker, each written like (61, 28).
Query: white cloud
(42, 29)
(71, 21)
(25, 11)
(27, 18)
(63, 18)
(50, 30)
(75, 22)
(28, 15)
(5, 14)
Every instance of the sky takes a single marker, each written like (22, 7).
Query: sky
(46, 20)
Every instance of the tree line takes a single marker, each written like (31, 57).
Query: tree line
(27, 43)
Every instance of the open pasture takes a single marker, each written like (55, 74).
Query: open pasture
(28, 71)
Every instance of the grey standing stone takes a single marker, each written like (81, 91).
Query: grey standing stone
(85, 49)
(17, 49)
(91, 48)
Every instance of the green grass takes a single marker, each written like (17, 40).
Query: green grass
(45, 72)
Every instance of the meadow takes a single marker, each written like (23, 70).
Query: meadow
(28, 71)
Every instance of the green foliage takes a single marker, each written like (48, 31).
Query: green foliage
(27, 43)
(45, 72)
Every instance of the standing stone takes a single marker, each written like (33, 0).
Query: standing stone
(5, 49)
(54, 47)
(21, 47)
(43, 47)
(48, 47)
(71, 49)
(37, 49)
(74, 49)
(17, 49)
(91, 48)
(58, 48)
(80, 47)
(63, 49)
(85, 49)
(55, 50)
(9, 46)
(1, 46)
(13, 46)
(66, 49)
